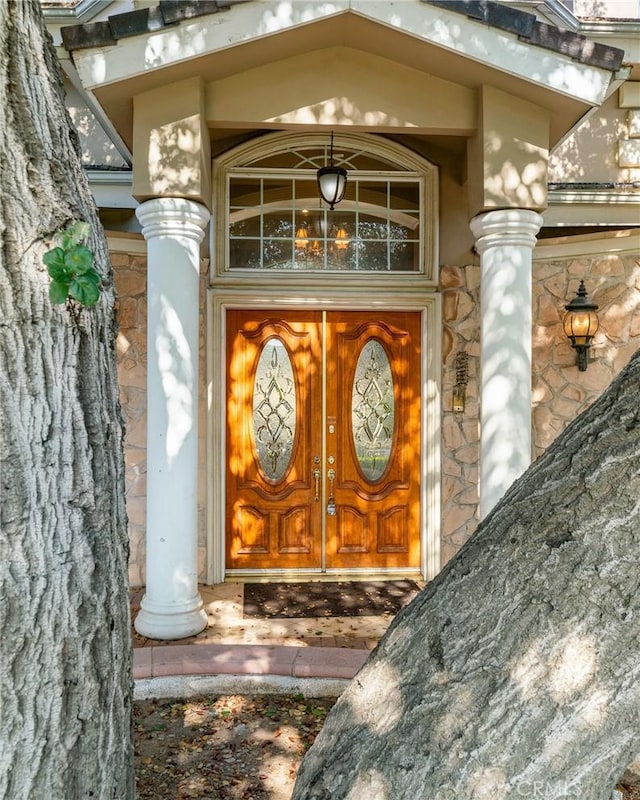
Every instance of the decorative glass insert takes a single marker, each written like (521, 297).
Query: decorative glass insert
(274, 409)
(373, 410)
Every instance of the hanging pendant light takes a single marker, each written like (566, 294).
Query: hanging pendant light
(332, 181)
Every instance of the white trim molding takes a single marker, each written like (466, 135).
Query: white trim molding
(607, 243)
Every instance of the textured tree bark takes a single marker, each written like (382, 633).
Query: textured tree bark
(516, 673)
(65, 663)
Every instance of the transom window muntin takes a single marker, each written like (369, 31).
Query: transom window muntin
(280, 223)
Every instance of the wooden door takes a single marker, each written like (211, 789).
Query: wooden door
(323, 441)
(274, 411)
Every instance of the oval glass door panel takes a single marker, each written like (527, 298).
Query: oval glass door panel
(274, 410)
(372, 410)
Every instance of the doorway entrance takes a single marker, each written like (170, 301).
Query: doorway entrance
(323, 440)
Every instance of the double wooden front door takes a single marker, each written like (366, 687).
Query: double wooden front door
(323, 440)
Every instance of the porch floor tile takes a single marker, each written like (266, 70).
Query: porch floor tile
(232, 645)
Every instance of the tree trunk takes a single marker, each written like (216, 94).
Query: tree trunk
(65, 664)
(516, 672)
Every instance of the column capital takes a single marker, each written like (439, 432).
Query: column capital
(510, 226)
(172, 216)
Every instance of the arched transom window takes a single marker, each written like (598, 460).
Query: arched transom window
(275, 220)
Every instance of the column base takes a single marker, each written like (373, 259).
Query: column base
(170, 621)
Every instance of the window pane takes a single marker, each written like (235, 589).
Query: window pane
(276, 193)
(404, 195)
(278, 254)
(373, 256)
(306, 191)
(250, 226)
(278, 225)
(404, 257)
(244, 192)
(373, 227)
(244, 254)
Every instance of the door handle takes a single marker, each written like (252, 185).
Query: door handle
(316, 477)
(331, 503)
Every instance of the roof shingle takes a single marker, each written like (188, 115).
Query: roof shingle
(496, 15)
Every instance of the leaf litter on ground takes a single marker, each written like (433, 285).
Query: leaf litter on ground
(228, 747)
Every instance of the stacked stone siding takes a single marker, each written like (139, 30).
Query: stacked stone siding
(560, 390)
(460, 288)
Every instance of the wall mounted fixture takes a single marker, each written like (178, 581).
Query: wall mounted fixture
(580, 324)
(462, 379)
(332, 181)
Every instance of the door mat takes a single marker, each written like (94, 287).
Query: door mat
(320, 599)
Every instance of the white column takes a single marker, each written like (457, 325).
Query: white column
(172, 607)
(505, 241)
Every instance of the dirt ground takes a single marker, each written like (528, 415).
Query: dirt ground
(234, 747)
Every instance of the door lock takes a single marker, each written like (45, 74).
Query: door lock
(331, 504)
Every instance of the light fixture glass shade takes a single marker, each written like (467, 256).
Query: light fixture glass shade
(580, 324)
(332, 183)
(342, 238)
(302, 237)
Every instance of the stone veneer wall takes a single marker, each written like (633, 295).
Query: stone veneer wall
(560, 390)
(131, 283)
(460, 288)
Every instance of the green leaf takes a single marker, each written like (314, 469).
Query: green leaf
(58, 291)
(80, 230)
(85, 289)
(74, 234)
(79, 259)
(56, 267)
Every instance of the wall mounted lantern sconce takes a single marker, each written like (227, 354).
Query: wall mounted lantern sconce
(580, 324)
(462, 379)
(332, 181)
